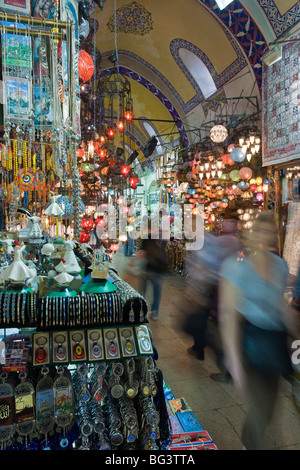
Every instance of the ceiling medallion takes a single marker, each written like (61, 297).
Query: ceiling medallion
(132, 18)
(218, 133)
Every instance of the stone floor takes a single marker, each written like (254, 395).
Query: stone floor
(219, 408)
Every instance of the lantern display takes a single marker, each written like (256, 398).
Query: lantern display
(87, 224)
(226, 160)
(234, 175)
(128, 115)
(218, 133)
(259, 197)
(84, 237)
(125, 170)
(102, 154)
(80, 153)
(243, 185)
(245, 173)
(133, 181)
(120, 125)
(237, 155)
(114, 247)
(85, 66)
(110, 133)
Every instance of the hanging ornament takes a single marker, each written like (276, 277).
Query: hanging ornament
(226, 160)
(87, 224)
(245, 173)
(128, 115)
(120, 125)
(125, 170)
(218, 133)
(110, 133)
(85, 66)
(102, 154)
(234, 175)
(80, 153)
(237, 155)
(84, 237)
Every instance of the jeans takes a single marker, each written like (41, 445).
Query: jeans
(129, 247)
(155, 279)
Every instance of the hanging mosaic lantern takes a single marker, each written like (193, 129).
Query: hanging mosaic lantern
(84, 237)
(237, 155)
(87, 224)
(85, 66)
(234, 175)
(245, 173)
(218, 133)
(125, 170)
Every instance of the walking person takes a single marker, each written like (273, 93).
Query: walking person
(254, 325)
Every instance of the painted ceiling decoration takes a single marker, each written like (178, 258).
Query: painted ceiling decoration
(132, 18)
(154, 40)
(280, 22)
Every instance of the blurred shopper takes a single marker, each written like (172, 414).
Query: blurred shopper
(201, 283)
(202, 291)
(253, 326)
(154, 252)
(128, 246)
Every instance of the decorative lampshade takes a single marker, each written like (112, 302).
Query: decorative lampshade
(87, 224)
(80, 153)
(259, 197)
(125, 170)
(114, 247)
(226, 160)
(245, 173)
(111, 133)
(237, 155)
(128, 115)
(234, 175)
(85, 66)
(120, 125)
(218, 133)
(84, 237)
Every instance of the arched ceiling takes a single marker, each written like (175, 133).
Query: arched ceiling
(153, 37)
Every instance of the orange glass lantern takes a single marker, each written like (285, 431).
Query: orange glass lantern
(128, 115)
(102, 154)
(226, 160)
(87, 224)
(114, 247)
(120, 125)
(85, 66)
(125, 170)
(110, 133)
(84, 237)
(80, 153)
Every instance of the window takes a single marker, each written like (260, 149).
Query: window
(199, 71)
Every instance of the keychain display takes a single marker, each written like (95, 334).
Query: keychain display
(77, 345)
(41, 348)
(95, 345)
(25, 408)
(7, 411)
(60, 347)
(143, 339)
(127, 342)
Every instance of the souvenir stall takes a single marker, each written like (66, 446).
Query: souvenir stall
(79, 370)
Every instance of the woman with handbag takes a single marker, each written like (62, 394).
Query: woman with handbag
(253, 326)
